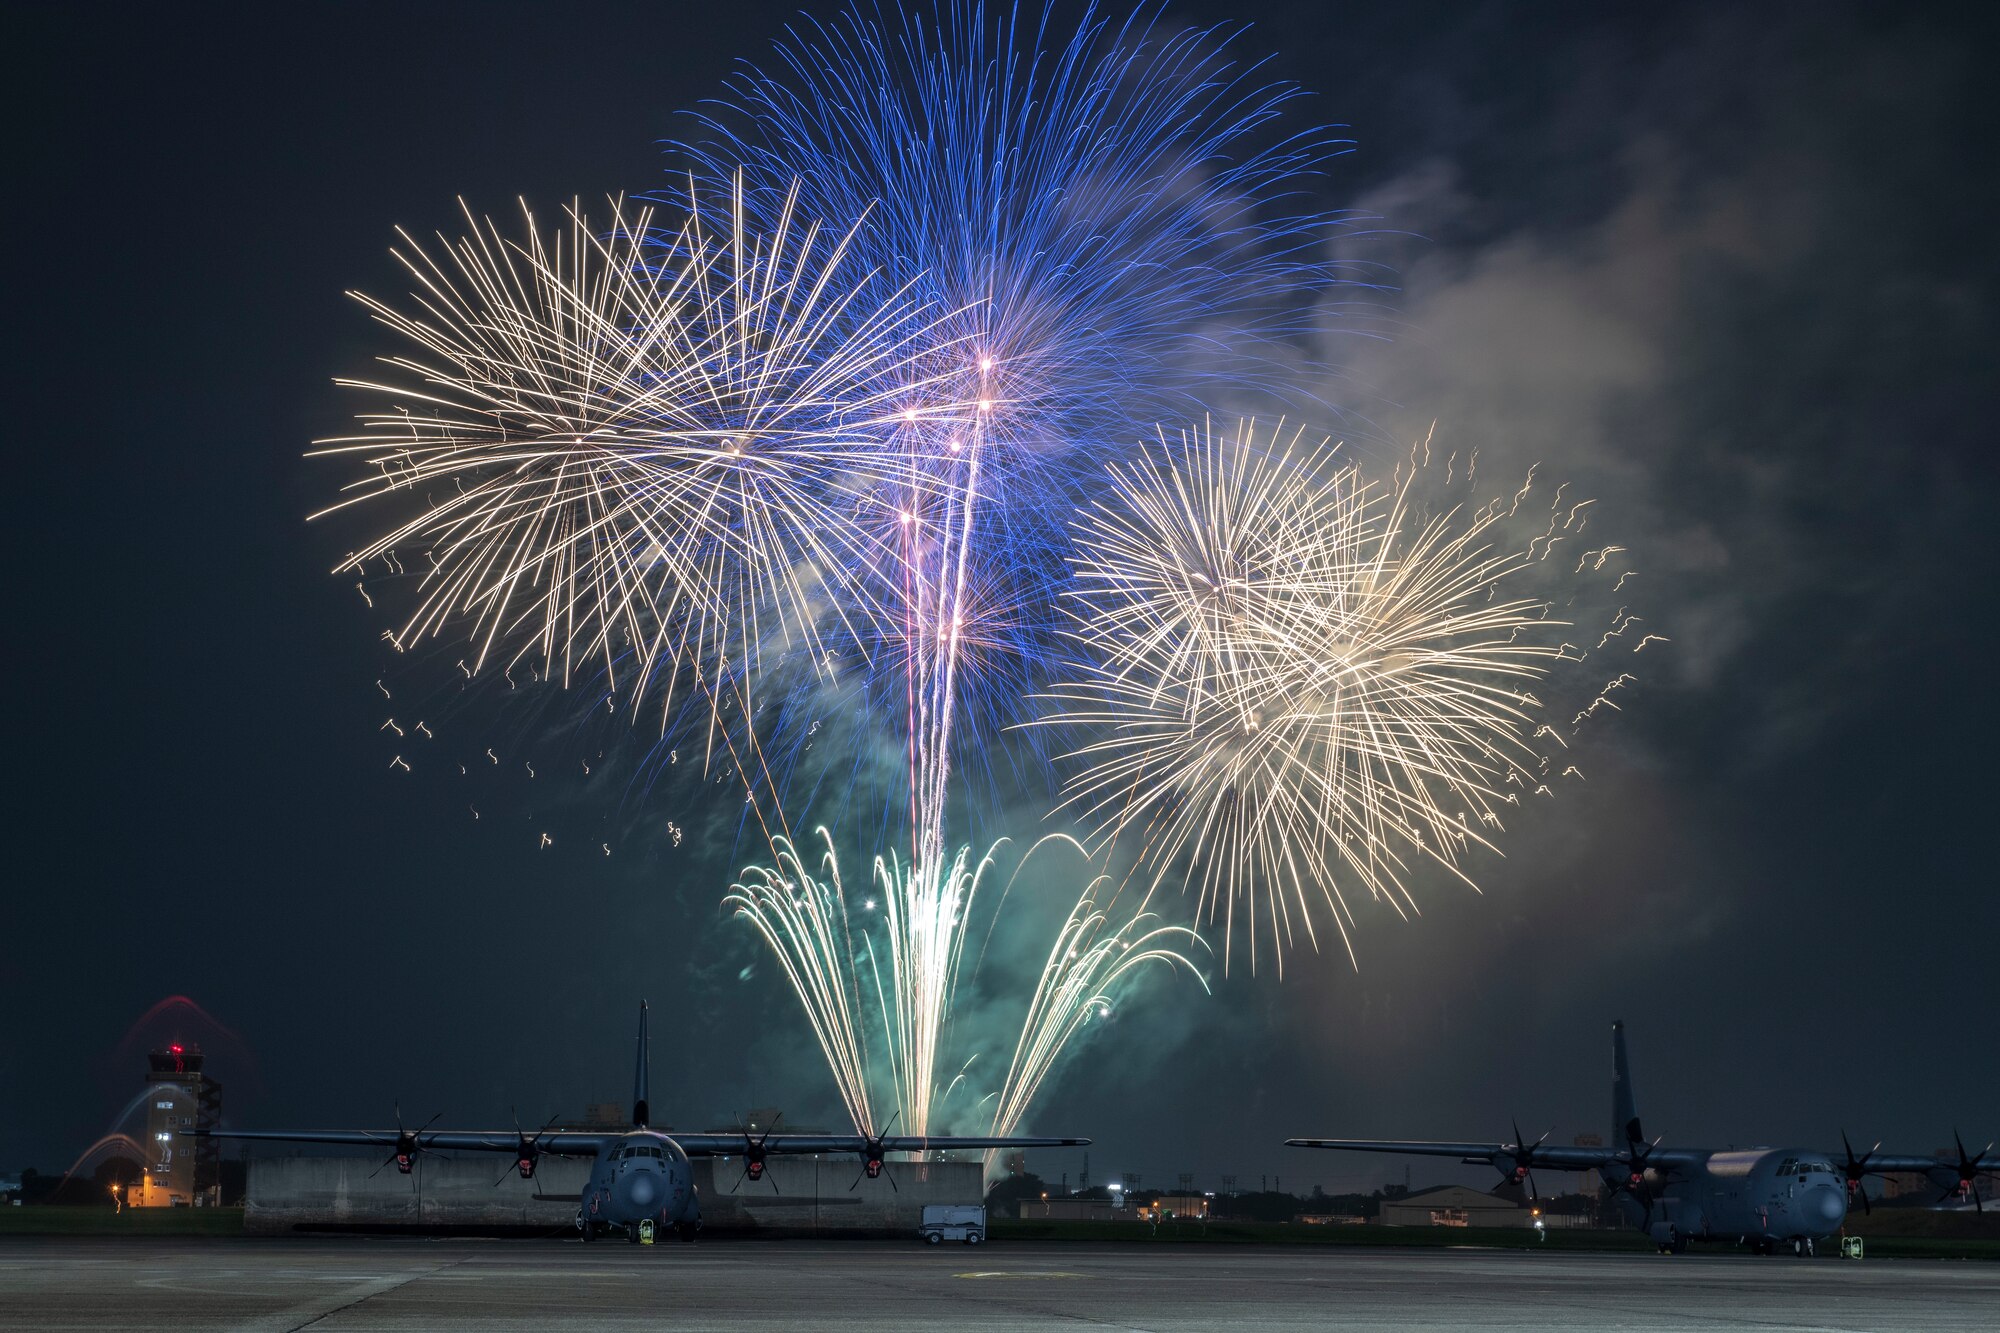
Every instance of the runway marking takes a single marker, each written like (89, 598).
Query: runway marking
(307, 1313)
(1016, 1273)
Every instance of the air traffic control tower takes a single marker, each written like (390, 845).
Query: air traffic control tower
(180, 1172)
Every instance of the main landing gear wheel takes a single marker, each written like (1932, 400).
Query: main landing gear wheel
(685, 1232)
(632, 1234)
(589, 1230)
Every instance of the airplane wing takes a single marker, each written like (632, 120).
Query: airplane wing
(1544, 1155)
(792, 1145)
(563, 1143)
(1986, 1163)
(1882, 1161)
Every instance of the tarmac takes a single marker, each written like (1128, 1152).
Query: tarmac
(341, 1283)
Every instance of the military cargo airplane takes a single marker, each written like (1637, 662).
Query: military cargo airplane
(641, 1175)
(1762, 1197)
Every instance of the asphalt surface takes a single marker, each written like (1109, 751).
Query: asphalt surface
(355, 1283)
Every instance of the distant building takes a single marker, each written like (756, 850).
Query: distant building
(1175, 1205)
(1453, 1206)
(1588, 1182)
(1075, 1210)
(179, 1172)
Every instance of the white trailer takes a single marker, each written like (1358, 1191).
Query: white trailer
(951, 1221)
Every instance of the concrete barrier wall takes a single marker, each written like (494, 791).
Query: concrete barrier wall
(285, 1193)
(812, 1196)
(798, 1196)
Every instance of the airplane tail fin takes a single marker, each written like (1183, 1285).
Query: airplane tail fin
(1624, 1109)
(640, 1111)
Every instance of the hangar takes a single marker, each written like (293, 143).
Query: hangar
(805, 1196)
(1453, 1206)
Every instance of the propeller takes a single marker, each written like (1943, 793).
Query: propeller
(407, 1145)
(527, 1151)
(1969, 1171)
(753, 1156)
(1633, 1182)
(1521, 1156)
(1856, 1168)
(871, 1157)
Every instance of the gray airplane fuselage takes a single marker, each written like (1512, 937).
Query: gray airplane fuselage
(639, 1177)
(1763, 1197)
(1758, 1195)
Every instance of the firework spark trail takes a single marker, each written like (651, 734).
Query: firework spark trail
(803, 917)
(1110, 214)
(654, 437)
(1087, 961)
(833, 965)
(1299, 687)
(927, 910)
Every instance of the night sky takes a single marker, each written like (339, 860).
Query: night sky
(1728, 267)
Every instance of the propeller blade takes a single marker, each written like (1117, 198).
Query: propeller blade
(1866, 1207)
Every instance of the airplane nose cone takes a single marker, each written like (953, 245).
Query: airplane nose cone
(1826, 1206)
(642, 1190)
